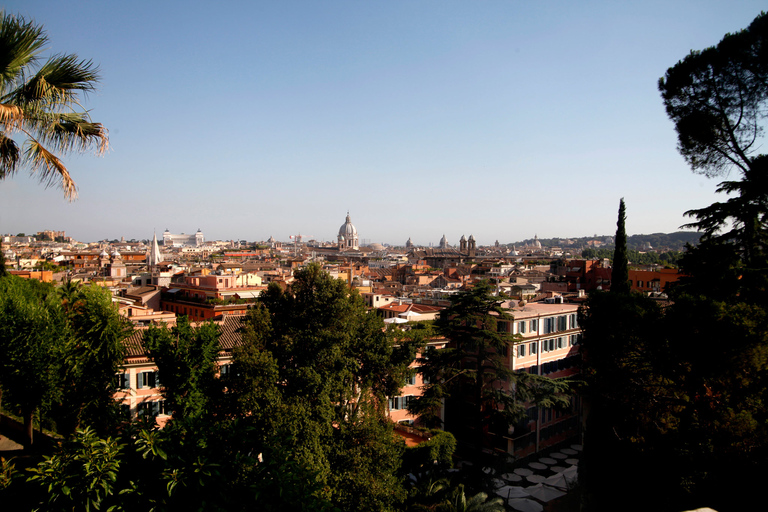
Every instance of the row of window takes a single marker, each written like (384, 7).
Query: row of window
(148, 408)
(151, 379)
(144, 380)
(655, 284)
(550, 324)
(554, 366)
(524, 349)
(397, 403)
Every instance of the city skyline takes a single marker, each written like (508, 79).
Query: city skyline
(501, 119)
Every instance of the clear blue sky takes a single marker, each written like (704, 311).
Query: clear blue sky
(497, 118)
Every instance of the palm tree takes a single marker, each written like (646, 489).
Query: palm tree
(40, 106)
(459, 502)
(70, 293)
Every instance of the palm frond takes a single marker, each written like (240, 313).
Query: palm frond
(43, 106)
(9, 156)
(20, 43)
(11, 116)
(59, 81)
(71, 131)
(52, 171)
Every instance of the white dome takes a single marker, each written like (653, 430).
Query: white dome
(347, 229)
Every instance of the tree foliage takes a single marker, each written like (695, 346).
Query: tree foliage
(186, 361)
(59, 357)
(670, 258)
(93, 354)
(681, 392)
(316, 368)
(716, 98)
(81, 476)
(33, 335)
(620, 268)
(740, 224)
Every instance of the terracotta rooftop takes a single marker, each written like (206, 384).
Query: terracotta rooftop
(229, 337)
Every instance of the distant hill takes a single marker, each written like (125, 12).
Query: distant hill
(660, 241)
(674, 241)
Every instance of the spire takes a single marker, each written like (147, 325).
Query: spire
(154, 252)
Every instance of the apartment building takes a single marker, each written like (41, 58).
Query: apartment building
(548, 345)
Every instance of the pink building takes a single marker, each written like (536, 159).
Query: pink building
(549, 346)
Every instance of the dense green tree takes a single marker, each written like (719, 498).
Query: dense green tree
(680, 394)
(186, 361)
(326, 344)
(33, 333)
(313, 374)
(60, 358)
(620, 267)
(40, 103)
(93, 354)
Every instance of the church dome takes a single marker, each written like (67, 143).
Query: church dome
(348, 229)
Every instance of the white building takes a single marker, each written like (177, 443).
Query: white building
(182, 240)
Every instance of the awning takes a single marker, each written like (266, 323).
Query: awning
(249, 295)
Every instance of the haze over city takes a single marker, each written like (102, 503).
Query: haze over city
(501, 119)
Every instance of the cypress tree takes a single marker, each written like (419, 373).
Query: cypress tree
(620, 270)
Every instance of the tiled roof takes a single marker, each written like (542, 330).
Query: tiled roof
(230, 336)
(141, 290)
(134, 345)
